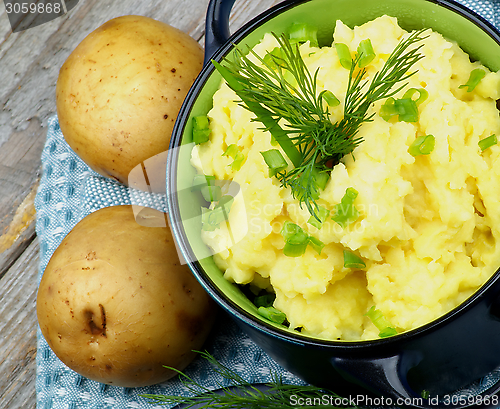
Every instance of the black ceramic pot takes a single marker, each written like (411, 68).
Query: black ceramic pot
(440, 357)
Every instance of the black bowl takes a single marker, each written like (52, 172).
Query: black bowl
(447, 354)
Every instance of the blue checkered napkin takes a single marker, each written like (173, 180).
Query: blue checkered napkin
(69, 190)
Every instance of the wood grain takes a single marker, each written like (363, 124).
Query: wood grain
(29, 65)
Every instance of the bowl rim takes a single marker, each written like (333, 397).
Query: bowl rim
(180, 236)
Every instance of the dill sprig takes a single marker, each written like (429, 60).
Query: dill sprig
(283, 95)
(237, 393)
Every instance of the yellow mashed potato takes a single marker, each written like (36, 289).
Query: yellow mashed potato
(429, 225)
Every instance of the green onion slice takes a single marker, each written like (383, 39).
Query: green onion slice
(322, 213)
(382, 324)
(487, 142)
(423, 145)
(365, 52)
(320, 177)
(301, 33)
(289, 229)
(201, 130)
(329, 98)
(234, 152)
(275, 160)
(422, 95)
(231, 151)
(292, 249)
(212, 218)
(272, 314)
(475, 77)
(345, 213)
(265, 300)
(211, 193)
(316, 244)
(389, 109)
(297, 240)
(271, 59)
(344, 55)
(200, 181)
(206, 184)
(408, 110)
(351, 260)
(238, 161)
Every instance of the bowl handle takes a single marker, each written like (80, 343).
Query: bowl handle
(217, 26)
(381, 376)
(387, 377)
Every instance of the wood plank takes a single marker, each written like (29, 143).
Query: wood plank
(18, 328)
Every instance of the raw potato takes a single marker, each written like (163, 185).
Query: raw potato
(115, 304)
(119, 92)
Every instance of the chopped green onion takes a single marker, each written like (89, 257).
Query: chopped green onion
(200, 181)
(345, 213)
(422, 95)
(301, 32)
(234, 152)
(351, 260)
(322, 213)
(238, 161)
(289, 77)
(408, 110)
(365, 52)
(296, 244)
(272, 57)
(344, 55)
(330, 98)
(388, 332)
(382, 324)
(206, 185)
(211, 193)
(289, 229)
(212, 218)
(272, 314)
(423, 145)
(475, 77)
(389, 109)
(275, 160)
(320, 177)
(316, 244)
(231, 151)
(201, 130)
(265, 300)
(487, 142)
(297, 240)
(292, 249)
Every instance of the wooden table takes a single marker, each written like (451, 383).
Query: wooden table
(29, 66)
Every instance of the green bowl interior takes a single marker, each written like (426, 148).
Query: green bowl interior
(411, 14)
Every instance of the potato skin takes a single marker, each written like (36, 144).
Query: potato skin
(120, 90)
(115, 304)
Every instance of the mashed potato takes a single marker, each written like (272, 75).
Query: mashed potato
(429, 225)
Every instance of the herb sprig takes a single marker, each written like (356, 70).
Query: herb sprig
(280, 87)
(240, 394)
